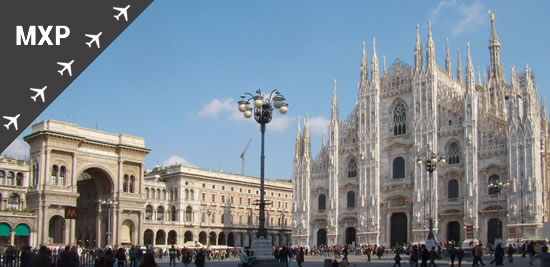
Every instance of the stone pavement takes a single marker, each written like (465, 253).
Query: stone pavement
(361, 261)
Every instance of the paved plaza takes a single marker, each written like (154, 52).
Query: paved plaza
(361, 261)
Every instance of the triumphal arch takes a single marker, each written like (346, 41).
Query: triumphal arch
(98, 173)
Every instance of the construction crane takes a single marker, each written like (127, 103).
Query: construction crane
(242, 154)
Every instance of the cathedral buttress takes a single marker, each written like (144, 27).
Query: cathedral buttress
(333, 152)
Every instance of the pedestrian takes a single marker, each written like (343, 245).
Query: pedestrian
(459, 255)
(172, 254)
(243, 258)
(148, 260)
(43, 258)
(200, 259)
(121, 257)
(452, 254)
(413, 257)
(433, 256)
(425, 255)
(300, 257)
(397, 259)
(335, 263)
(186, 259)
(543, 256)
(26, 256)
(368, 254)
(510, 253)
(531, 250)
(499, 254)
(478, 255)
(133, 255)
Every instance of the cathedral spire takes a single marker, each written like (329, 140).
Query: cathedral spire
(430, 50)
(324, 141)
(495, 69)
(307, 142)
(298, 140)
(364, 70)
(448, 59)
(418, 62)
(515, 81)
(374, 65)
(459, 67)
(334, 104)
(479, 81)
(470, 76)
(384, 57)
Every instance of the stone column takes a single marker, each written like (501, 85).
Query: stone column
(12, 237)
(72, 231)
(139, 227)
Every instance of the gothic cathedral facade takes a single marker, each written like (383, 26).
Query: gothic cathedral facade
(366, 185)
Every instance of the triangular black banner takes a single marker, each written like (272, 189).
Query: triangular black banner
(46, 45)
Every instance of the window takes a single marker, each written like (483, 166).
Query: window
(160, 213)
(174, 214)
(186, 194)
(399, 119)
(279, 204)
(125, 184)
(351, 199)
(240, 200)
(149, 213)
(203, 218)
(192, 194)
(223, 187)
(494, 179)
(55, 171)
(62, 174)
(231, 188)
(231, 200)
(452, 189)
(203, 185)
(322, 202)
(352, 168)
(250, 219)
(223, 199)
(2, 177)
(271, 223)
(223, 218)
(132, 184)
(10, 180)
(152, 193)
(147, 193)
(203, 196)
(398, 168)
(13, 202)
(213, 198)
(240, 219)
(213, 186)
(453, 154)
(188, 214)
(286, 205)
(34, 175)
(213, 218)
(286, 221)
(248, 201)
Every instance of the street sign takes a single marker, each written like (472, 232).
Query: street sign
(70, 213)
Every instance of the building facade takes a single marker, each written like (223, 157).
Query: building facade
(118, 202)
(365, 185)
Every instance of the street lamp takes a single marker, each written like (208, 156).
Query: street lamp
(263, 112)
(430, 160)
(495, 185)
(110, 204)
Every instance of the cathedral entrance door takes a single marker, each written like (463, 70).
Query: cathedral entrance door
(453, 231)
(494, 230)
(321, 237)
(398, 229)
(350, 236)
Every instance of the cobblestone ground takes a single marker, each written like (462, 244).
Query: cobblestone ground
(361, 261)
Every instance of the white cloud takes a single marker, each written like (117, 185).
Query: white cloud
(176, 160)
(318, 125)
(279, 123)
(217, 106)
(18, 149)
(465, 17)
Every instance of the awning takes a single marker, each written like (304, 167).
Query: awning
(4, 229)
(22, 230)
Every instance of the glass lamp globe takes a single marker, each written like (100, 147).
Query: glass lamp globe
(242, 105)
(284, 108)
(258, 101)
(248, 113)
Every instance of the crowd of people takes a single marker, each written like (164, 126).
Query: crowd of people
(135, 256)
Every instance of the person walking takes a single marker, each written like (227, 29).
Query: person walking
(172, 253)
(459, 255)
(300, 257)
(510, 252)
(531, 250)
(543, 256)
(425, 255)
(133, 255)
(186, 258)
(433, 256)
(121, 257)
(499, 255)
(397, 259)
(452, 254)
(243, 258)
(478, 255)
(413, 257)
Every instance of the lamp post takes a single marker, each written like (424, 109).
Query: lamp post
(262, 110)
(110, 204)
(430, 161)
(496, 186)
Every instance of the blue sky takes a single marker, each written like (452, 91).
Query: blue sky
(174, 76)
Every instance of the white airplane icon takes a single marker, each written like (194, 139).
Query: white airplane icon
(39, 92)
(66, 66)
(13, 120)
(122, 11)
(95, 39)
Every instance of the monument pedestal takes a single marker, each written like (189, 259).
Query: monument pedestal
(263, 252)
(431, 243)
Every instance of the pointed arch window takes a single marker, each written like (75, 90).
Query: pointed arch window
(149, 213)
(174, 214)
(160, 213)
(399, 119)
(494, 179)
(10, 179)
(19, 179)
(125, 183)
(398, 168)
(55, 172)
(352, 168)
(322, 202)
(452, 189)
(132, 184)
(35, 174)
(453, 153)
(62, 175)
(351, 199)
(188, 214)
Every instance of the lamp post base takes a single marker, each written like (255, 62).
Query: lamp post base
(430, 243)
(262, 249)
(497, 241)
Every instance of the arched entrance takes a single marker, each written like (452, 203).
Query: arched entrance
(56, 230)
(172, 237)
(94, 186)
(350, 236)
(221, 239)
(230, 240)
(494, 230)
(212, 239)
(398, 229)
(202, 238)
(161, 238)
(453, 231)
(127, 233)
(148, 237)
(5, 233)
(188, 236)
(321, 237)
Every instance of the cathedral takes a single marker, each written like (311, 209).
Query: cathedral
(485, 139)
